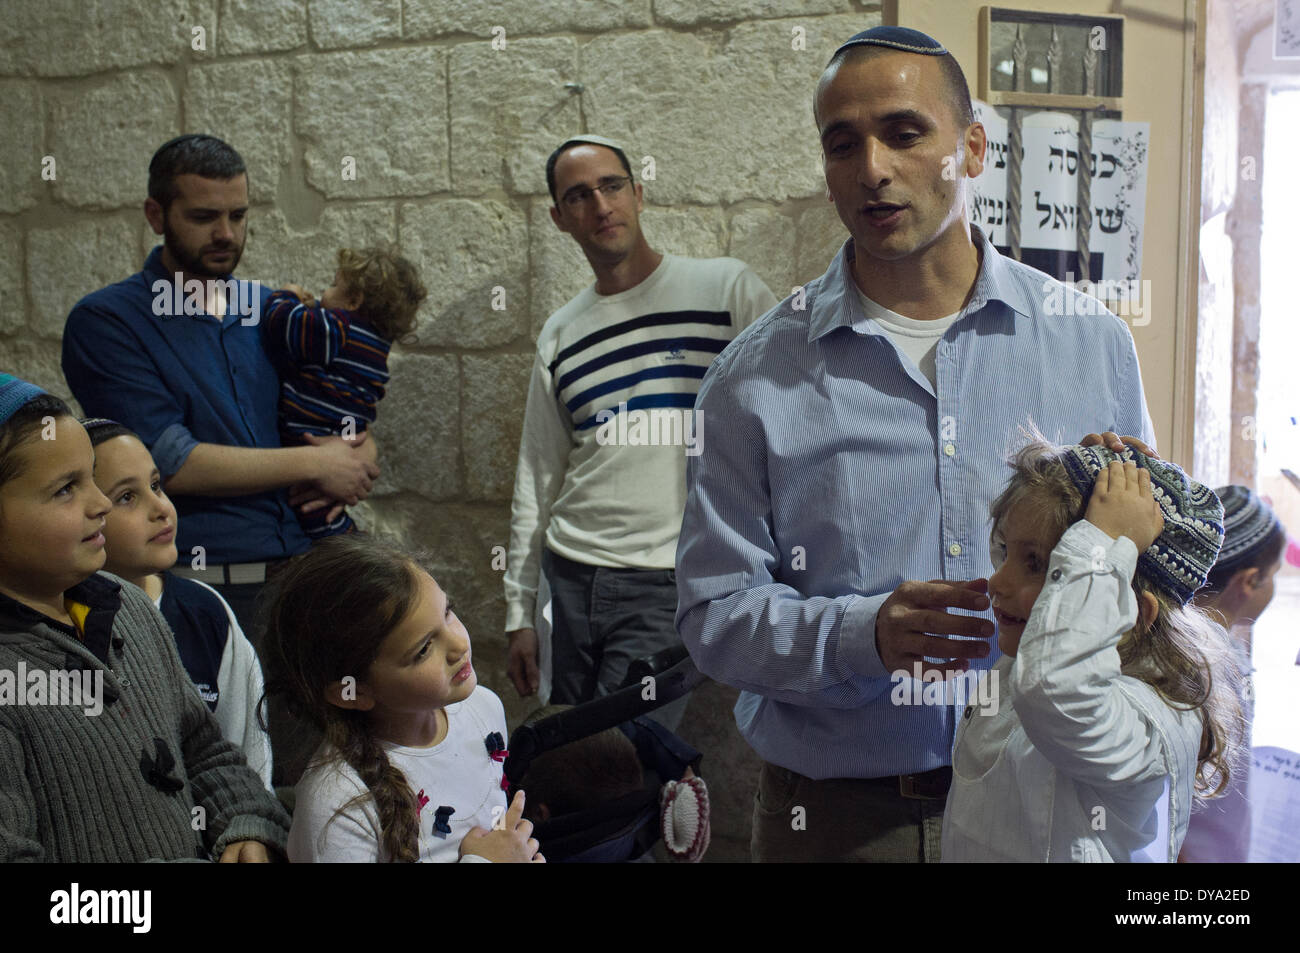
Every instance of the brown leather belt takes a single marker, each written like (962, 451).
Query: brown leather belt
(235, 574)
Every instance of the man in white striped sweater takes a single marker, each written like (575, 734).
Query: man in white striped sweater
(610, 422)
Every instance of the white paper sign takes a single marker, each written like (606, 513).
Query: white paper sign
(1274, 795)
(1049, 189)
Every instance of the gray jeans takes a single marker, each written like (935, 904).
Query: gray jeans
(601, 621)
(841, 819)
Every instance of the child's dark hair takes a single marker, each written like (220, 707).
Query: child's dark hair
(1184, 655)
(331, 611)
(582, 774)
(100, 429)
(25, 422)
(389, 285)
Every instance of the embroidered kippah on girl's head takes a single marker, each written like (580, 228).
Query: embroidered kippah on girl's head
(1179, 560)
(15, 394)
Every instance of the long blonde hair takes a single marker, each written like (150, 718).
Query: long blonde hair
(1187, 657)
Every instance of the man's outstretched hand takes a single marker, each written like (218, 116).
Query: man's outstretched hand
(913, 622)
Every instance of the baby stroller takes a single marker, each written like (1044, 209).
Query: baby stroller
(627, 827)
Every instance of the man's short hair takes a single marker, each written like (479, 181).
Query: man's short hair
(193, 154)
(582, 141)
(958, 92)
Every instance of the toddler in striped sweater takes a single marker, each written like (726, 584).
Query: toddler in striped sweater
(332, 355)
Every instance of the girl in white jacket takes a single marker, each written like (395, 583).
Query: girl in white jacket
(1123, 698)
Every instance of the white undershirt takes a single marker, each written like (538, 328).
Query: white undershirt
(916, 339)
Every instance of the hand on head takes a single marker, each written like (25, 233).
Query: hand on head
(1113, 441)
(1122, 504)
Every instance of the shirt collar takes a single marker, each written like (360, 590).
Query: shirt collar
(153, 265)
(97, 591)
(836, 304)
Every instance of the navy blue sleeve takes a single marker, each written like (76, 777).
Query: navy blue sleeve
(112, 374)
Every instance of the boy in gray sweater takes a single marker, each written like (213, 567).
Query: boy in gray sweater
(107, 753)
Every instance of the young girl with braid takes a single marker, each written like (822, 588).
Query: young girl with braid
(363, 643)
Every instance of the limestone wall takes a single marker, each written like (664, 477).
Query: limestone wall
(448, 129)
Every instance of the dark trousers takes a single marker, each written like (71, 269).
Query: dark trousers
(603, 619)
(841, 819)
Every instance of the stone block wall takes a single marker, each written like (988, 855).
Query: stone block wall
(446, 109)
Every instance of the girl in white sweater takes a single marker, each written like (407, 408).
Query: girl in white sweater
(1123, 698)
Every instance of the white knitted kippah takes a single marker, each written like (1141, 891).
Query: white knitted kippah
(684, 818)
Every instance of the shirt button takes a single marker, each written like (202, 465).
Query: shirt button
(954, 549)
(949, 449)
(1056, 574)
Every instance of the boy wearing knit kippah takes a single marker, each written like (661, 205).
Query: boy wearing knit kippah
(1120, 700)
(108, 752)
(1239, 588)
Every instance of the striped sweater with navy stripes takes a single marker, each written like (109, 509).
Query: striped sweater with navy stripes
(610, 420)
(333, 366)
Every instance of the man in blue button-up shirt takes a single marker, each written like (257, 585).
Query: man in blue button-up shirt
(174, 352)
(865, 425)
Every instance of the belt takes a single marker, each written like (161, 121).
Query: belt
(926, 785)
(231, 574)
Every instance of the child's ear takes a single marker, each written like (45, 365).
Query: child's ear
(1249, 579)
(349, 693)
(1148, 609)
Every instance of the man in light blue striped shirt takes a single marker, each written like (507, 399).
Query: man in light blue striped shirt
(862, 429)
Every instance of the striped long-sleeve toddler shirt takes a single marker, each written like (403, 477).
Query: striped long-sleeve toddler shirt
(333, 366)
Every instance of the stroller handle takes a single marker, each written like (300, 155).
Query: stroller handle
(670, 684)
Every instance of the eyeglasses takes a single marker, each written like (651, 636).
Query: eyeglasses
(610, 189)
